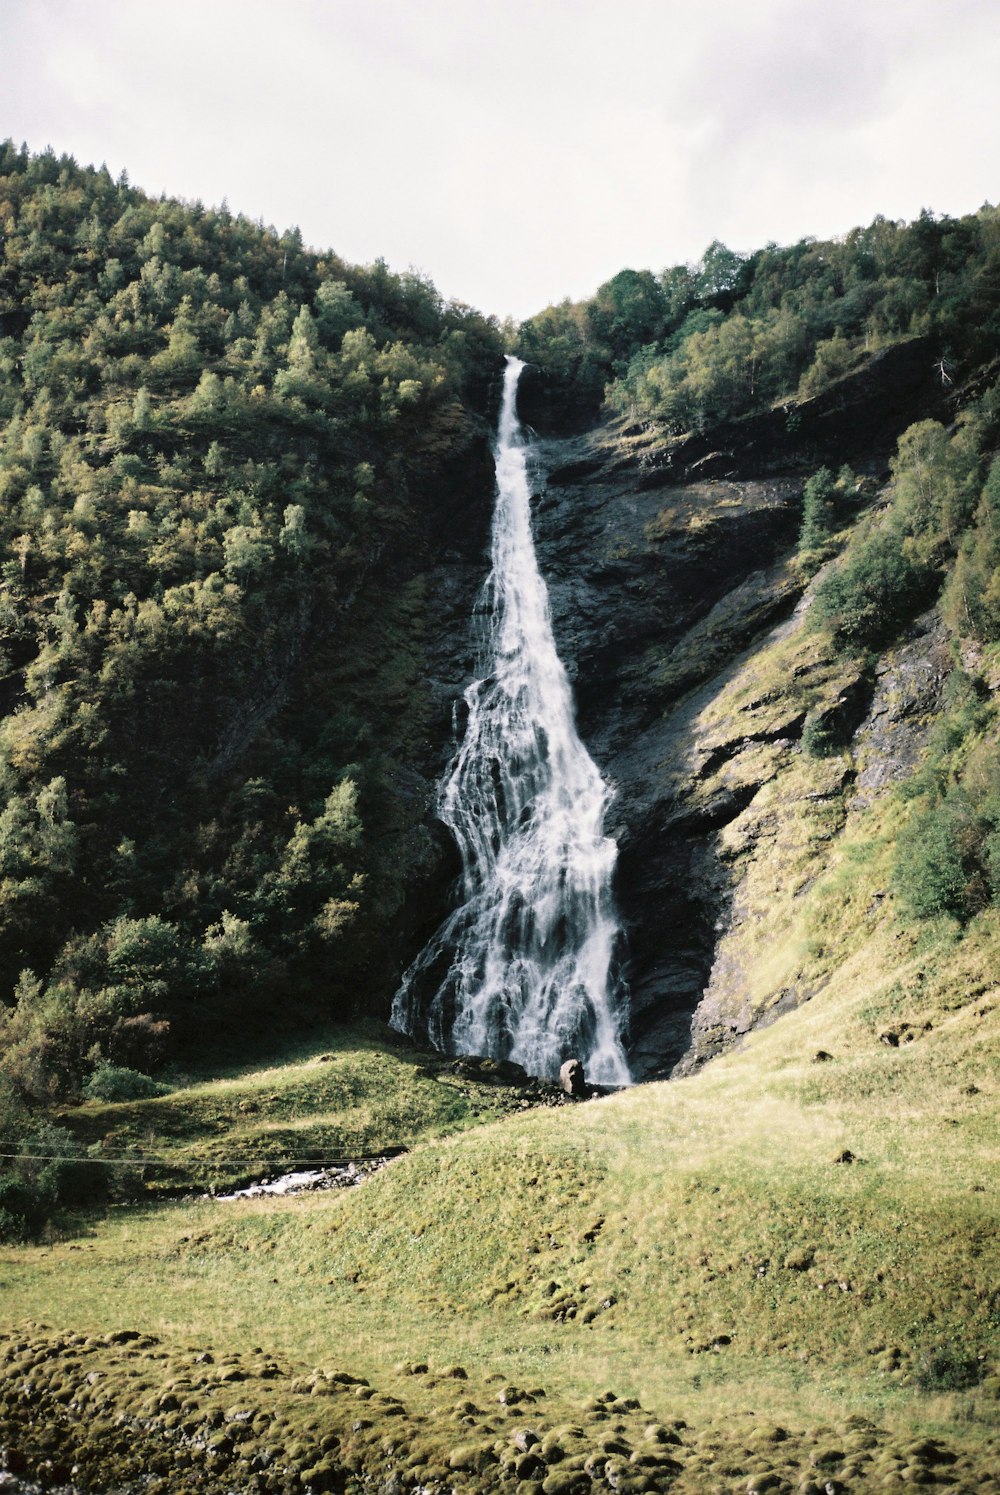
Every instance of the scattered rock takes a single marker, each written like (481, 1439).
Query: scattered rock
(527, 1466)
(762, 1484)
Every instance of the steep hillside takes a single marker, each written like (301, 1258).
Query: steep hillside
(244, 489)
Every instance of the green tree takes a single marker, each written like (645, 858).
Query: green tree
(337, 311)
(872, 592)
(935, 482)
(818, 501)
(625, 312)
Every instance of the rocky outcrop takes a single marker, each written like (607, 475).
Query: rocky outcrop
(679, 612)
(905, 700)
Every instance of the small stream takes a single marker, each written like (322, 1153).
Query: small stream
(310, 1181)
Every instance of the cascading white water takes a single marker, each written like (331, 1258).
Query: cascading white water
(524, 967)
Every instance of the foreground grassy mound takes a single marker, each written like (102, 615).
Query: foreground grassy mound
(796, 1257)
(335, 1094)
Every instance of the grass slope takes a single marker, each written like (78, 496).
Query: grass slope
(697, 1247)
(334, 1094)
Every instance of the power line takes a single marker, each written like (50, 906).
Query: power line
(293, 1162)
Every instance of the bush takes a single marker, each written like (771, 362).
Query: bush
(948, 857)
(936, 870)
(868, 598)
(116, 1082)
(13, 1229)
(49, 1172)
(98, 1005)
(821, 736)
(949, 1367)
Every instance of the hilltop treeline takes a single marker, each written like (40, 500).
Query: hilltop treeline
(736, 332)
(213, 442)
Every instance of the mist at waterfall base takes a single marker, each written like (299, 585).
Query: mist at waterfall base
(525, 967)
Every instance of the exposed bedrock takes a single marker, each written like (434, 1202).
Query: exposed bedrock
(668, 568)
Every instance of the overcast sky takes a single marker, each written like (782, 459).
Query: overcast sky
(520, 151)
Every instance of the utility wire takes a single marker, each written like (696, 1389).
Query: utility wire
(297, 1162)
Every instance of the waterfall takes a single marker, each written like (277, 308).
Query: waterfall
(524, 968)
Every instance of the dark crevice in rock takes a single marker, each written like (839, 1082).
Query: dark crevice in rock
(790, 731)
(666, 560)
(667, 563)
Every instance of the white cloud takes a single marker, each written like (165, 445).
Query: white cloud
(521, 150)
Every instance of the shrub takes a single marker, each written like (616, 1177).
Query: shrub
(116, 1082)
(878, 588)
(937, 869)
(948, 857)
(819, 738)
(949, 1367)
(49, 1173)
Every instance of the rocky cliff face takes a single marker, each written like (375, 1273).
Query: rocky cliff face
(414, 653)
(682, 619)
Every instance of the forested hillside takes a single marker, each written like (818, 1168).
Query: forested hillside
(701, 343)
(222, 455)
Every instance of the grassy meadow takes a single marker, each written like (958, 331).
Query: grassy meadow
(780, 1241)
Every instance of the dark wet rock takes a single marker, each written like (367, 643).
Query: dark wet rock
(688, 571)
(835, 722)
(667, 561)
(442, 545)
(554, 405)
(489, 1071)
